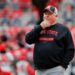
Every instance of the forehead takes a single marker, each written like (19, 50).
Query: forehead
(48, 12)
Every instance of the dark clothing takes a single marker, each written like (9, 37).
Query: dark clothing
(53, 46)
(40, 4)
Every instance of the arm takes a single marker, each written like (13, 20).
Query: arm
(35, 33)
(32, 36)
(69, 49)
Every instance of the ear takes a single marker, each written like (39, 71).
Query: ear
(56, 15)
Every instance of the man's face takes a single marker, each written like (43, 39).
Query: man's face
(51, 17)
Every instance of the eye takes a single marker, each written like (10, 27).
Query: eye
(46, 13)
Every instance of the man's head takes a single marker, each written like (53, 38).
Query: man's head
(50, 14)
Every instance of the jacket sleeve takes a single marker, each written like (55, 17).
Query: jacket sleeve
(32, 36)
(69, 49)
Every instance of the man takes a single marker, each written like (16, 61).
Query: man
(53, 45)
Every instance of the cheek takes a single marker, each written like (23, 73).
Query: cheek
(52, 18)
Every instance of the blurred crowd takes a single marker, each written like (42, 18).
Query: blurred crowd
(18, 17)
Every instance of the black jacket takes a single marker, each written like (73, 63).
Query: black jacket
(53, 46)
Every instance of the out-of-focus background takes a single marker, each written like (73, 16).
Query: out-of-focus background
(18, 17)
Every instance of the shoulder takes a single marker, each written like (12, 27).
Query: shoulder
(62, 29)
(61, 26)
